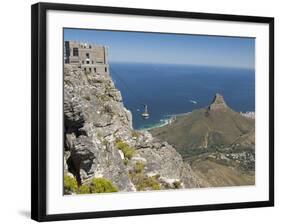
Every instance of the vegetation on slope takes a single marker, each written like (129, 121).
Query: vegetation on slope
(217, 141)
(141, 181)
(128, 151)
(97, 185)
(201, 132)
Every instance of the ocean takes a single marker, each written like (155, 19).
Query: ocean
(169, 90)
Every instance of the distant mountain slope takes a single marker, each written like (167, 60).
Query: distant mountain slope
(207, 129)
(216, 174)
(217, 141)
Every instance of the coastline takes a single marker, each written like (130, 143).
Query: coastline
(171, 118)
(163, 122)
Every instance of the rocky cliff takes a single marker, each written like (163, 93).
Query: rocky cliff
(101, 143)
(218, 104)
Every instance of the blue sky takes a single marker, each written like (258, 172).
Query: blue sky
(171, 48)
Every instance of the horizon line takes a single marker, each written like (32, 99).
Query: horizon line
(186, 64)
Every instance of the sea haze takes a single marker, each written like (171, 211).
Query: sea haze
(175, 89)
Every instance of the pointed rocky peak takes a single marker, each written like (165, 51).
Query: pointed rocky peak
(218, 104)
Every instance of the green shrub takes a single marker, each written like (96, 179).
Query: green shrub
(68, 82)
(157, 176)
(104, 97)
(70, 184)
(150, 183)
(177, 184)
(143, 182)
(126, 161)
(87, 98)
(139, 167)
(102, 185)
(84, 189)
(120, 144)
(135, 134)
(128, 151)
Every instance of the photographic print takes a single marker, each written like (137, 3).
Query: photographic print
(148, 111)
(141, 111)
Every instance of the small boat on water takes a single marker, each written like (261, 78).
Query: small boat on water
(193, 101)
(145, 114)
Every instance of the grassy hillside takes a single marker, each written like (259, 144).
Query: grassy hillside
(217, 141)
(205, 130)
(218, 175)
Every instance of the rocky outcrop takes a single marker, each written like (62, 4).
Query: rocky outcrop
(218, 104)
(96, 121)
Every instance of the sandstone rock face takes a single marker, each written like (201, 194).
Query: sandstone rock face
(218, 104)
(95, 119)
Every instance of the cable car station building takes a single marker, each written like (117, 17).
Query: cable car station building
(89, 57)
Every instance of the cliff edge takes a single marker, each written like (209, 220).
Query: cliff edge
(101, 143)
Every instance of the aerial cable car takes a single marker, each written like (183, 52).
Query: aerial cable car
(145, 114)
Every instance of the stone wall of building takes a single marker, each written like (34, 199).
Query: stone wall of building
(89, 57)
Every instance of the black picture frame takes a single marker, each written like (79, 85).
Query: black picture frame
(38, 108)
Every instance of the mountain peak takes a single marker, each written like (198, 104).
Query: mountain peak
(218, 103)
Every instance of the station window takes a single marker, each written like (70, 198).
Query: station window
(75, 51)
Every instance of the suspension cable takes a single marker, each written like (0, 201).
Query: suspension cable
(140, 99)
